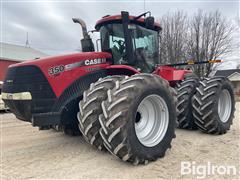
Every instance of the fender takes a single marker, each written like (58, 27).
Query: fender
(121, 70)
(170, 73)
(76, 89)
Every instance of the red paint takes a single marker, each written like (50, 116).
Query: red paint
(123, 67)
(61, 81)
(118, 17)
(170, 73)
(4, 66)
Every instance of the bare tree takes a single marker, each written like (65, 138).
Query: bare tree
(173, 37)
(210, 38)
(205, 36)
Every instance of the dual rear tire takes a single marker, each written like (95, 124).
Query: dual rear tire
(214, 105)
(185, 91)
(207, 105)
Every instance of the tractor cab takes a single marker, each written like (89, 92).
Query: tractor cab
(131, 40)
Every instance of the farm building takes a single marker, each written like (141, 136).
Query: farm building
(11, 54)
(234, 76)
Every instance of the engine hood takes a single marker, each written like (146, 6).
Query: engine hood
(61, 71)
(64, 59)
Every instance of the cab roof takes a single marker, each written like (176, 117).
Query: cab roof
(118, 19)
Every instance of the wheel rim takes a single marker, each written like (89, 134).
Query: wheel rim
(152, 119)
(224, 106)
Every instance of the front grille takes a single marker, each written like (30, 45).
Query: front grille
(28, 79)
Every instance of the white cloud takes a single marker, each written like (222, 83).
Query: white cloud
(19, 26)
(51, 29)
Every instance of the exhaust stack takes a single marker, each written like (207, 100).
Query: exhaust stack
(86, 42)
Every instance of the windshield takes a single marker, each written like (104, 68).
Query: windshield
(146, 47)
(144, 42)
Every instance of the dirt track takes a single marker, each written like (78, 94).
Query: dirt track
(29, 153)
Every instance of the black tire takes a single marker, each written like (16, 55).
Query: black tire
(120, 113)
(90, 109)
(69, 121)
(205, 105)
(57, 128)
(190, 75)
(185, 90)
(71, 129)
(68, 129)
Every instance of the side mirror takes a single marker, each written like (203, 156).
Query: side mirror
(149, 22)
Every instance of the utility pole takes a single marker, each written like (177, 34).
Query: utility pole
(27, 42)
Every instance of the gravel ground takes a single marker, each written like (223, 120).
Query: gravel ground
(31, 154)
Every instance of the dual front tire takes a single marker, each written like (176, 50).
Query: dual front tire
(134, 119)
(139, 119)
(90, 109)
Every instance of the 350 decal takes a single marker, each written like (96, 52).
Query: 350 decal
(88, 62)
(56, 70)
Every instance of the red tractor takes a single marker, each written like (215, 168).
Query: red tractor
(121, 99)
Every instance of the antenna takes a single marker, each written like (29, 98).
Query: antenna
(27, 42)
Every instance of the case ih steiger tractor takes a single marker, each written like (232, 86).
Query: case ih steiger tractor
(121, 99)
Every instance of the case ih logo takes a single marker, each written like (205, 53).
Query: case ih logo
(58, 69)
(94, 61)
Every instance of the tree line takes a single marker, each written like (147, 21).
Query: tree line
(200, 37)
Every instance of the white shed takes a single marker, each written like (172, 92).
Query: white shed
(234, 76)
